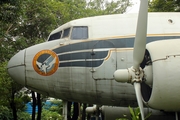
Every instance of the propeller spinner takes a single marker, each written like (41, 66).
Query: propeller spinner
(135, 73)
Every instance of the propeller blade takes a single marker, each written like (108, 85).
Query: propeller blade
(135, 73)
(139, 50)
(137, 88)
(141, 32)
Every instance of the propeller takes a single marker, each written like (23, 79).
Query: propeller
(135, 73)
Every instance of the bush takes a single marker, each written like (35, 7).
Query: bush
(5, 113)
(49, 115)
(135, 114)
(24, 116)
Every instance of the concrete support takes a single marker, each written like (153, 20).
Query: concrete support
(65, 110)
(176, 114)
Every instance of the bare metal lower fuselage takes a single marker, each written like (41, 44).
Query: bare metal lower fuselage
(85, 72)
(93, 84)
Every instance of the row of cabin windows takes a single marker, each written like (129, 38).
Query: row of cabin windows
(78, 32)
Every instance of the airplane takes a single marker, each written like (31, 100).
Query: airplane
(111, 60)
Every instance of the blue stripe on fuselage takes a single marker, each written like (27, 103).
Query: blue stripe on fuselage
(86, 58)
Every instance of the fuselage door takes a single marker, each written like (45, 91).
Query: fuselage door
(103, 60)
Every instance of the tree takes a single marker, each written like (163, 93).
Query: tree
(39, 102)
(10, 10)
(74, 9)
(24, 116)
(5, 114)
(38, 19)
(33, 105)
(104, 7)
(55, 106)
(9, 91)
(49, 115)
(53, 110)
(164, 6)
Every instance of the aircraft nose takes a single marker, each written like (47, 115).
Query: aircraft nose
(16, 67)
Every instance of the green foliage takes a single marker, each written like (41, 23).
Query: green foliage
(9, 91)
(49, 115)
(23, 116)
(20, 101)
(135, 114)
(38, 18)
(164, 6)
(104, 7)
(9, 10)
(55, 106)
(5, 113)
(74, 9)
(122, 118)
(5, 85)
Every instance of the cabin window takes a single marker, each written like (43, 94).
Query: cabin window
(79, 32)
(55, 36)
(66, 33)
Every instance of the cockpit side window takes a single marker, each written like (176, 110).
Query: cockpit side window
(55, 36)
(66, 33)
(79, 32)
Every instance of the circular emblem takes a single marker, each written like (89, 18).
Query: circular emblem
(45, 62)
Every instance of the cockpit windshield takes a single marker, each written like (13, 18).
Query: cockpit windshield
(79, 32)
(76, 33)
(66, 33)
(55, 36)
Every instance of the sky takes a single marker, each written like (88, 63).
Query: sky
(135, 7)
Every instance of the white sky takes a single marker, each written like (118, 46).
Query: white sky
(135, 7)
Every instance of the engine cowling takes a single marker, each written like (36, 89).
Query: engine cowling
(113, 113)
(164, 91)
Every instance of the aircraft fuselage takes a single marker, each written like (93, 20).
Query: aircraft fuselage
(82, 70)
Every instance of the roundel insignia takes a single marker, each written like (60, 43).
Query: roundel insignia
(45, 62)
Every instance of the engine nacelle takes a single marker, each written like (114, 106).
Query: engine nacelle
(165, 94)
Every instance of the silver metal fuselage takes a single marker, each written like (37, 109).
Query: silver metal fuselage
(84, 84)
(86, 67)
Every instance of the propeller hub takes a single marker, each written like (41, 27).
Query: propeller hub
(129, 75)
(122, 75)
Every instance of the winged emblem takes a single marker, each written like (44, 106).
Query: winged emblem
(46, 65)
